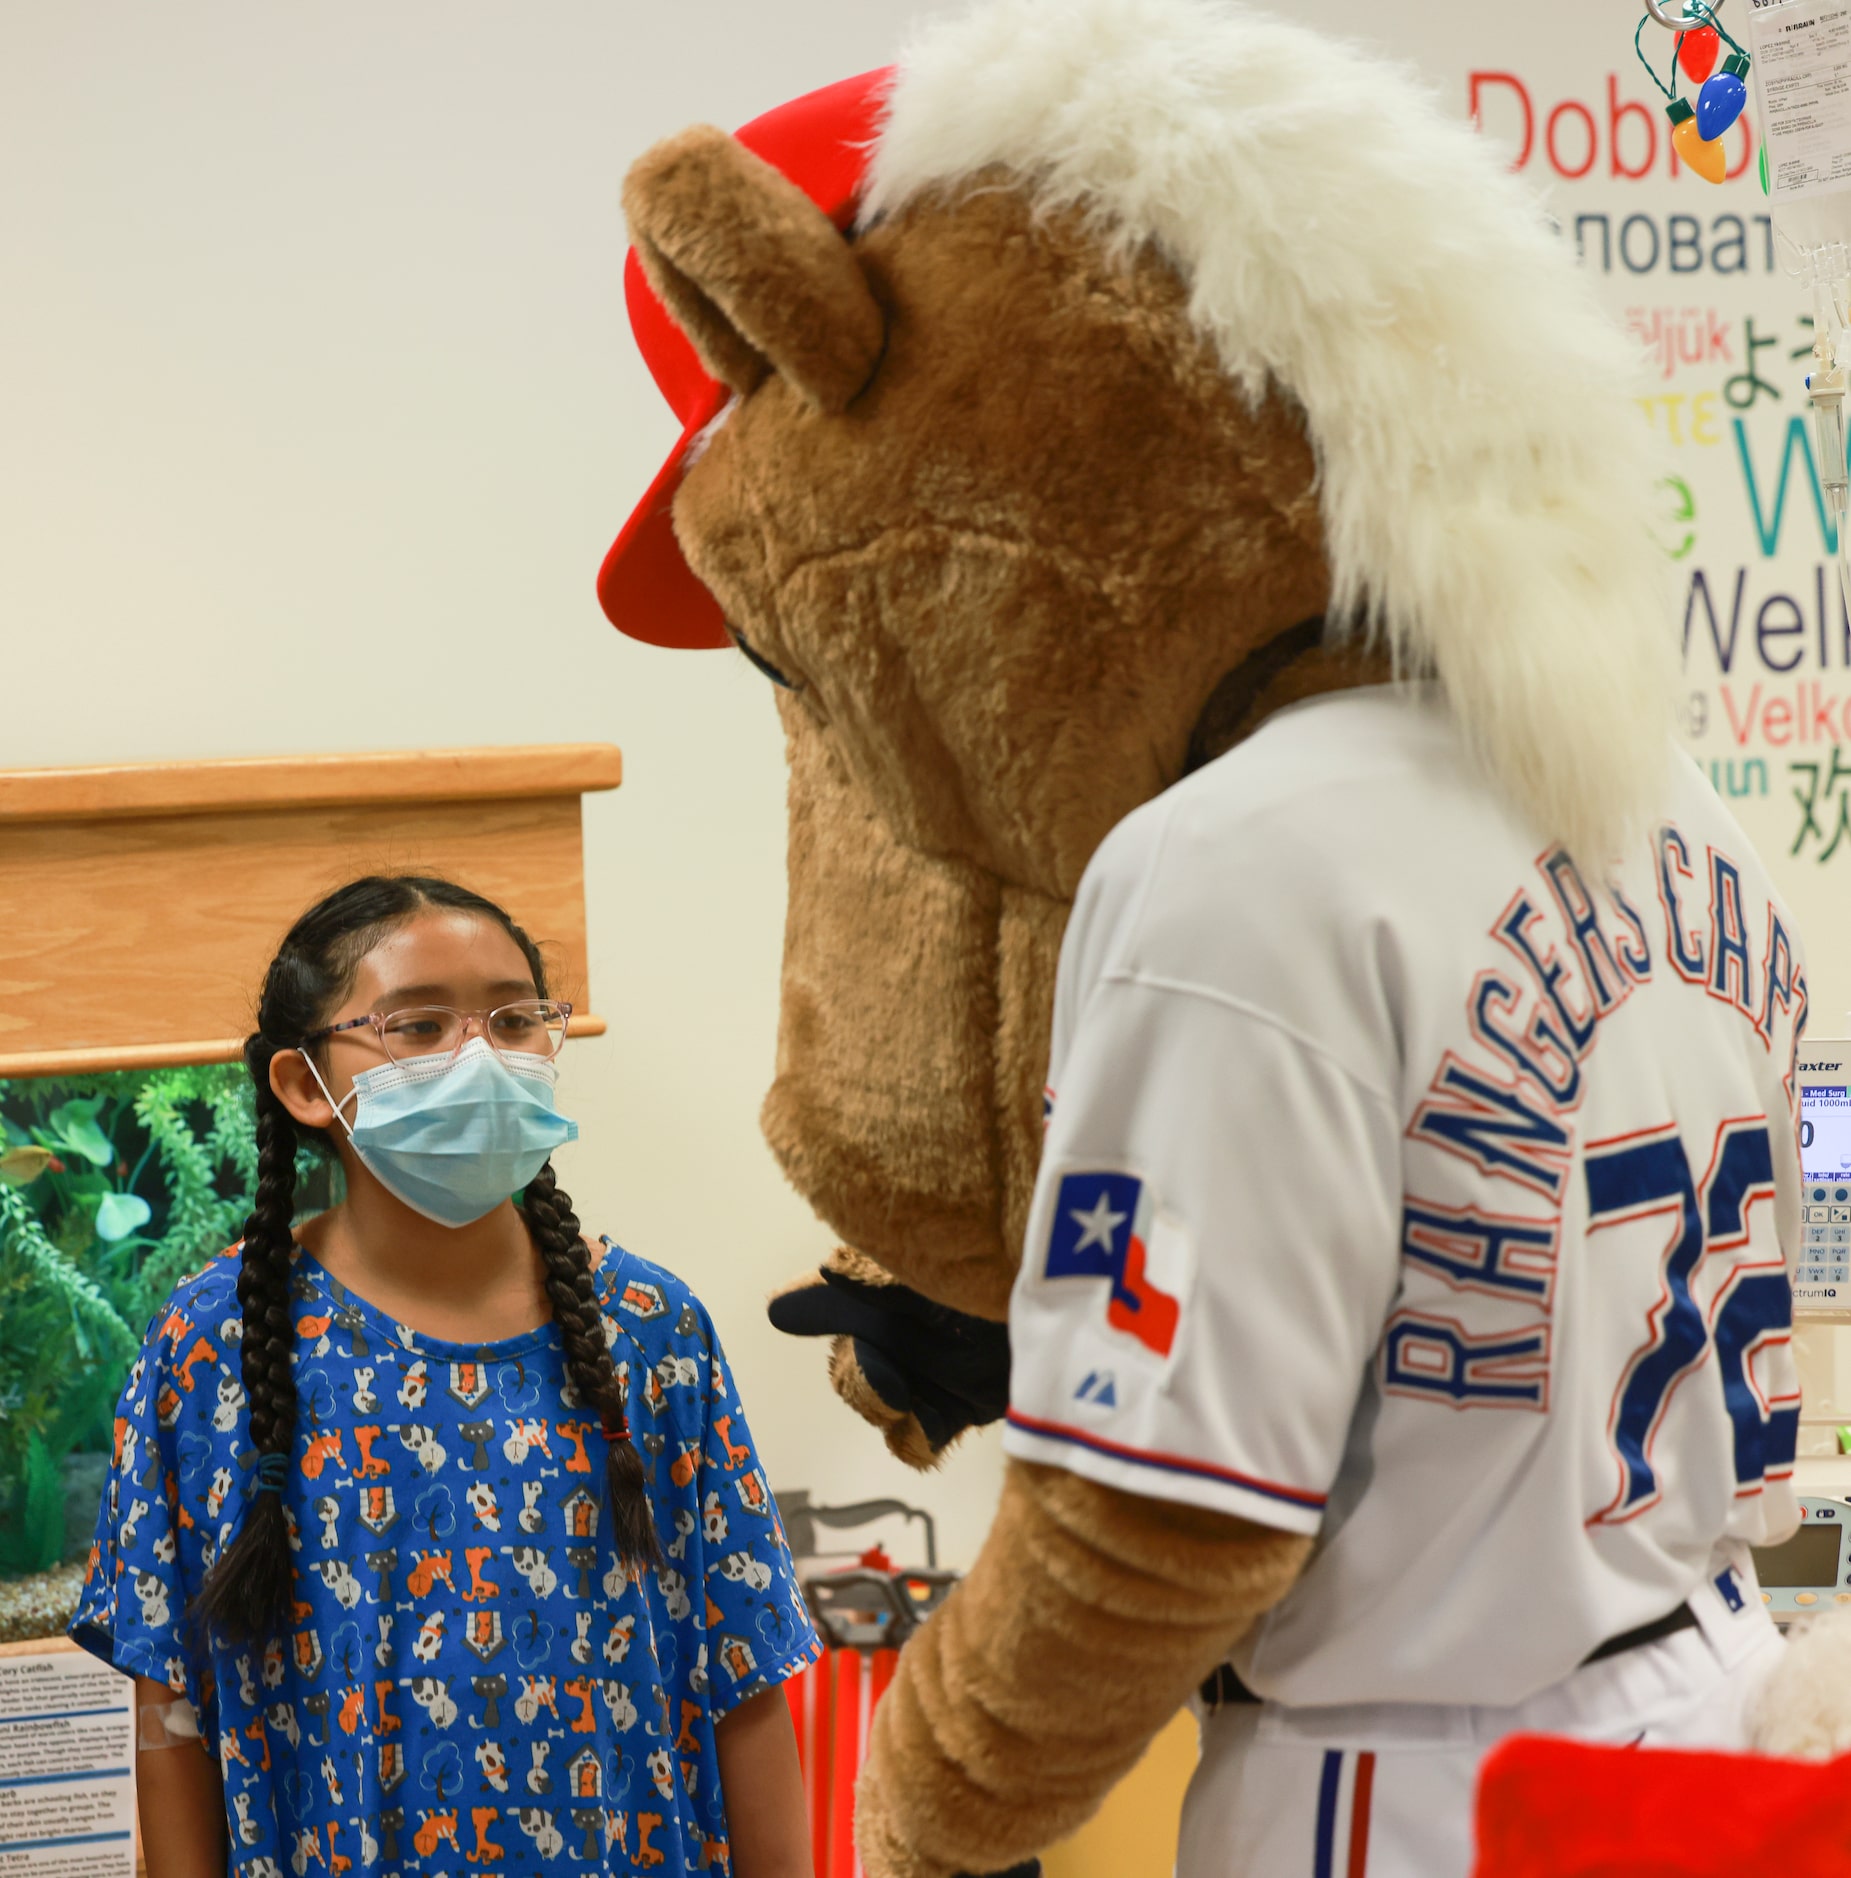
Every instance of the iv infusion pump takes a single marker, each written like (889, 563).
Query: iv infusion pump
(1811, 1572)
(1822, 1280)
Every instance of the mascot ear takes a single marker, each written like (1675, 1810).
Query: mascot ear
(752, 270)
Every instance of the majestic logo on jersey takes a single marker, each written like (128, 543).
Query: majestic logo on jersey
(1101, 1229)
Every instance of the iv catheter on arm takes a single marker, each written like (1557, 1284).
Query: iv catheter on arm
(1799, 54)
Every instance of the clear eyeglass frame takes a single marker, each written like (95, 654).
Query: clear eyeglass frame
(526, 1027)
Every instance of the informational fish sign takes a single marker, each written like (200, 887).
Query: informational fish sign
(67, 1788)
(1691, 271)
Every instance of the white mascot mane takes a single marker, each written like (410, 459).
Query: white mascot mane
(1483, 467)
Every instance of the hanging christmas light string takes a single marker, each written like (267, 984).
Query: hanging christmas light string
(1697, 132)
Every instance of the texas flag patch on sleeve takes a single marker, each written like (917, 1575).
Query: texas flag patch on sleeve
(1102, 1227)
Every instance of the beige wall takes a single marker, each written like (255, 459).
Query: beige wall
(319, 411)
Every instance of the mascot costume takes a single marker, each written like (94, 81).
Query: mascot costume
(1263, 1001)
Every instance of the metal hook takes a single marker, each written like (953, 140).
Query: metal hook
(1685, 22)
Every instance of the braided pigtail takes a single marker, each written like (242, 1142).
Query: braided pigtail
(247, 1593)
(594, 1377)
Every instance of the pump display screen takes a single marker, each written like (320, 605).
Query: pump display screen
(1810, 1557)
(1825, 1131)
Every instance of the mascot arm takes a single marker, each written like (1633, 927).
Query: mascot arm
(1089, 1617)
(921, 1372)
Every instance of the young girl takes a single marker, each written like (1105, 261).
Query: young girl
(438, 1529)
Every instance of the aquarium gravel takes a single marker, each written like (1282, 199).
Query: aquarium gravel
(39, 1605)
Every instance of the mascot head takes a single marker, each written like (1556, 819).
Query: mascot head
(1108, 374)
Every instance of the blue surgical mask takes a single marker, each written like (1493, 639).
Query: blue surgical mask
(455, 1136)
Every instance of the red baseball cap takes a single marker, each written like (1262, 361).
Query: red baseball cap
(821, 142)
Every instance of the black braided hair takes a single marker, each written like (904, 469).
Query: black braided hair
(247, 1593)
(555, 1230)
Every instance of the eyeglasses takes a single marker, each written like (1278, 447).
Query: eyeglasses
(527, 1027)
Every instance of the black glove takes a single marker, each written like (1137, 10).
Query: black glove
(945, 1368)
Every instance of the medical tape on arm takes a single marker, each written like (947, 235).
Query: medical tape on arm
(166, 1725)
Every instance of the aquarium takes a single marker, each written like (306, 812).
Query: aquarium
(113, 1185)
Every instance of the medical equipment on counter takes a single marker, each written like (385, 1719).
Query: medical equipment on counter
(1811, 1572)
(801, 1519)
(1822, 1278)
(1799, 55)
(864, 1611)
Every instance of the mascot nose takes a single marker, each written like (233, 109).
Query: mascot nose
(754, 273)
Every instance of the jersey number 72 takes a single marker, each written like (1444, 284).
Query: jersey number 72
(1749, 1308)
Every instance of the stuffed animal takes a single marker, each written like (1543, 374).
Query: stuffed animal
(1188, 510)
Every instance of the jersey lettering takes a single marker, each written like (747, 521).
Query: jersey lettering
(1538, 1051)
(1634, 1177)
(1599, 966)
(1781, 981)
(1513, 929)
(1476, 1251)
(1438, 1358)
(1757, 1315)
(1494, 1128)
(1729, 970)
(1634, 950)
(1687, 951)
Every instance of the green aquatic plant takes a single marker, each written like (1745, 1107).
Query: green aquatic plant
(112, 1187)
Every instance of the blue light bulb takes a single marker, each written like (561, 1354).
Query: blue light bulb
(1722, 98)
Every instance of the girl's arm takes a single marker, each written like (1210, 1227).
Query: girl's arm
(763, 1786)
(179, 1794)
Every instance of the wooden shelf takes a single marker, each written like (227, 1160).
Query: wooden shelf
(145, 900)
(117, 791)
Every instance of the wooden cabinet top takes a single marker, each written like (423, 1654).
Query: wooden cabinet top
(253, 784)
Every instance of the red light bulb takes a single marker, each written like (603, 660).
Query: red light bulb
(1696, 52)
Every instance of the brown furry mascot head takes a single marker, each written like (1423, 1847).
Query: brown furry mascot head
(1093, 389)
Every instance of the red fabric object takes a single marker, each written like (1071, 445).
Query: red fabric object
(832, 1703)
(1561, 1809)
(821, 142)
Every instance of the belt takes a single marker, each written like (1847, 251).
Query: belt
(1223, 1686)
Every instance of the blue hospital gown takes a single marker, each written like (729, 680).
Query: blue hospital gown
(468, 1682)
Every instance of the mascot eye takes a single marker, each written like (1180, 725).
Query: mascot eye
(759, 660)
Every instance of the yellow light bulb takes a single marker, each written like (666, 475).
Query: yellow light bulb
(1706, 159)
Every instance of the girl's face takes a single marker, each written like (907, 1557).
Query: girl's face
(436, 957)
